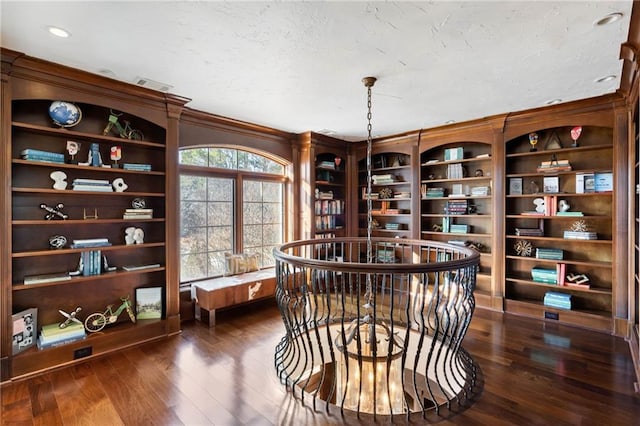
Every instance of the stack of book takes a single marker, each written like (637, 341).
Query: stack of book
(557, 300)
(549, 253)
(568, 213)
(383, 179)
(38, 155)
(453, 154)
(455, 171)
(580, 235)
(96, 185)
(554, 166)
(327, 165)
(139, 214)
(457, 207)
(459, 228)
(386, 255)
(433, 192)
(137, 167)
(91, 242)
(47, 278)
(529, 232)
(392, 226)
(52, 335)
(542, 275)
(324, 195)
(479, 191)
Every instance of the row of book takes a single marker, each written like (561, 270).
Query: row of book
(52, 335)
(556, 299)
(480, 191)
(137, 214)
(39, 155)
(457, 228)
(529, 232)
(559, 277)
(140, 167)
(580, 235)
(96, 185)
(91, 262)
(455, 171)
(324, 195)
(325, 222)
(329, 207)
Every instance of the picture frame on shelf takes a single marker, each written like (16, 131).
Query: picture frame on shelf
(149, 303)
(515, 186)
(551, 185)
(24, 330)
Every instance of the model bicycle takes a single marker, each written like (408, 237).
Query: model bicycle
(97, 321)
(125, 132)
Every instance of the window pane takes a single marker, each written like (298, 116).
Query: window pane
(223, 158)
(193, 156)
(251, 236)
(220, 213)
(252, 213)
(263, 218)
(216, 264)
(193, 266)
(220, 189)
(272, 213)
(251, 162)
(220, 238)
(193, 213)
(193, 188)
(252, 190)
(193, 240)
(272, 191)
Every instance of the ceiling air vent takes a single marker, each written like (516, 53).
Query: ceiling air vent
(152, 84)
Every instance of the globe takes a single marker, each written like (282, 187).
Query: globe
(65, 114)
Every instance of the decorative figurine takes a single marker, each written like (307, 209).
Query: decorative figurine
(533, 140)
(338, 160)
(98, 320)
(115, 154)
(575, 134)
(86, 215)
(119, 185)
(563, 206)
(57, 241)
(138, 236)
(133, 235)
(479, 173)
(579, 226)
(79, 269)
(94, 158)
(105, 265)
(54, 212)
(533, 188)
(70, 317)
(59, 179)
(540, 205)
(73, 148)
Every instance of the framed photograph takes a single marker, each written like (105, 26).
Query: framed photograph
(515, 186)
(551, 184)
(25, 330)
(149, 303)
(604, 182)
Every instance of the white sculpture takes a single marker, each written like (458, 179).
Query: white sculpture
(59, 179)
(119, 185)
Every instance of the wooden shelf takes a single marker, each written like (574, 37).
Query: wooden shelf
(81, 279)
(547, 153)
(31, 163)
(58, 252)
(76, 222)
(92, 193)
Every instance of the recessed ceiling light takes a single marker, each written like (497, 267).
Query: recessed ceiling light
(609, 19)
(554, 101)
(449, 121)
(606, 78)
(59, 32)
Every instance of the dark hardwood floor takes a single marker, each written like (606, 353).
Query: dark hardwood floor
(533, 374)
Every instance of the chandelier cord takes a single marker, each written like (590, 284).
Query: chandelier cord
(369, 82)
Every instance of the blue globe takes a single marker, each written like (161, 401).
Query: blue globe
(65, 114)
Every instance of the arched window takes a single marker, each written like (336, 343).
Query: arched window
(231, 201)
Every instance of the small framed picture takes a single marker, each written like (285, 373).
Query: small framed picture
(149, 303)
(551, 184)
(25, 330)
(515, 186)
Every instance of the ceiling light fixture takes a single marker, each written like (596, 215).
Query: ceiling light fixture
(449, 121)
(606, 78)
(554, 101)
(608, 19)
(59, 32)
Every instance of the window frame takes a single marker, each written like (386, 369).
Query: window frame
(238, 177)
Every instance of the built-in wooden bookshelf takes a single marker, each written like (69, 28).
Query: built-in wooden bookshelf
(559, 218)
(88, 214)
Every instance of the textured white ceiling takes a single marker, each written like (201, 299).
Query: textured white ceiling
(297, 66)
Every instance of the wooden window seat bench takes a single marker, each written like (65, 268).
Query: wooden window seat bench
(224, 292)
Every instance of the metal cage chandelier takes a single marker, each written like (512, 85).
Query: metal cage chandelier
(380, 333)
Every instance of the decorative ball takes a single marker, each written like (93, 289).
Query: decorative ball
(523, 248)
(57, 241)
(386, 193)
(65, 114)
(139, 203)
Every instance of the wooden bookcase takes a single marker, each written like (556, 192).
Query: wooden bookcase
(527, 186)
(457, 201)
(91, 214)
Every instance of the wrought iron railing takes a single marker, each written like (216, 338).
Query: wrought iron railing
(379, 336)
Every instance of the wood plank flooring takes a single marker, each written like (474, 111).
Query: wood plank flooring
(533, 373)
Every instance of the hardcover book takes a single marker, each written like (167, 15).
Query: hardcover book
(25, 326)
